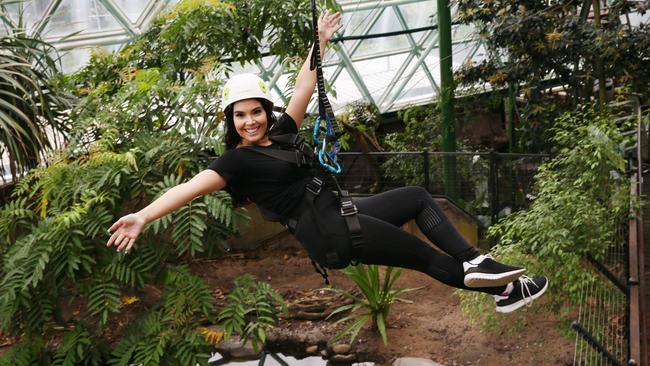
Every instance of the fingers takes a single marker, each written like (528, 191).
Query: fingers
(126, 245)
(330, 18)
(121, 241)
(113, 238)
(115, 226)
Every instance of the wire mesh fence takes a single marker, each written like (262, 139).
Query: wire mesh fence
(486, 184)
(601, 325)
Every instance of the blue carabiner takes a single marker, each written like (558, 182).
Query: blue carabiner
(322, 155)
(325, 157)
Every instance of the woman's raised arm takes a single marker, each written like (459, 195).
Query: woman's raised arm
(126, 229)
(328, 24)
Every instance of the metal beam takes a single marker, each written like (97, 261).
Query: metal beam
(416, 46)
(90, 40)
(119, 15)
(268, 74)
(150, 13)
(356, 44)
(373, 4)
(447, 96)
(398, 75)
(353, 49)
(397, 90)
(45, 18)
(354, 74)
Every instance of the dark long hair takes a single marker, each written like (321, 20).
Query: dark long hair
(231, 137)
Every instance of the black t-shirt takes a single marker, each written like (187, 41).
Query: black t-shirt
(271, 183)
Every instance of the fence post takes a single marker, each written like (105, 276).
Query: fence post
(493, 187)
(425, 162)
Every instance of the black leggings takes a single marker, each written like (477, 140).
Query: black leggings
(385, 243)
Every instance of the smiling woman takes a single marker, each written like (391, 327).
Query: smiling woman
(267, 163)
(249, 111)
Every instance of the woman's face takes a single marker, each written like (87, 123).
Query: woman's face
(250, 121)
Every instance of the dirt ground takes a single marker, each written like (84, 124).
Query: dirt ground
(432, 327)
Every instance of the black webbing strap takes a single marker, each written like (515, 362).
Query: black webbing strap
(294, 157)
(350, 215)
(324, 107)
(300, 154)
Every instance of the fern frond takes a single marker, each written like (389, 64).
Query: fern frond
(134, 269)
(189, 225)
(74, 347)
(186, 297)
(14, 215)
(25, 353)
(103, 299)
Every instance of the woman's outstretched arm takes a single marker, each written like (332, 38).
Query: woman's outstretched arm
(126, 229)
(328, 24)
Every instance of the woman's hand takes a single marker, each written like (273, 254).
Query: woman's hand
(125, 231)
(328, 24)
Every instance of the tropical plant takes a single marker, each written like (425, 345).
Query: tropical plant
(582, 197)
(534, 46)
(375, 304)
(170, 334)
(30, 99)
(423, 132)
(252, 308)
(146, 120)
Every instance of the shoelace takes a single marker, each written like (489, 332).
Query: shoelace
(524, 281)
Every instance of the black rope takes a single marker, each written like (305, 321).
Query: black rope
(324, 107)
(387, 34)
(321, 271)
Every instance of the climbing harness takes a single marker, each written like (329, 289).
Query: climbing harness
(326, 137)
(293, 149)
(329, 137)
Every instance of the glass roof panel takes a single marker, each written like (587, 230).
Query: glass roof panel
(418, 15)
(416, 89)
(346, 90)
(355, 22)
(32, 12)
(86, 16)
(377, 73)
(132, 8)
(376, 68)
(74, 59)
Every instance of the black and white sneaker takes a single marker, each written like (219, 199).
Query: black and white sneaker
(523, 292)
(484, 271)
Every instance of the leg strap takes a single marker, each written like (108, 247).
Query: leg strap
(349, 212)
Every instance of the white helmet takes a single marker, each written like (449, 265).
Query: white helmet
(244, 86)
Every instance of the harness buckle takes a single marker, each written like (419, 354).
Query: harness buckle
(314, 186)
(348, 208)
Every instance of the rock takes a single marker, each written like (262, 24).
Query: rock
(303, 315)
(341, 348)
(343, 358)
(414, 361)
(323, 353)
(311, 350)
(235, 348)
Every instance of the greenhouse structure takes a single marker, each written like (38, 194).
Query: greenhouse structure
(324, 182)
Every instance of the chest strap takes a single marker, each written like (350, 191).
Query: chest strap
(300, 154)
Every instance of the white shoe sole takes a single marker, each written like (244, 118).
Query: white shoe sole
(492, 280)
(514, 306)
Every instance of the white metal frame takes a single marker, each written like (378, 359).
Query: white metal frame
(419, 52)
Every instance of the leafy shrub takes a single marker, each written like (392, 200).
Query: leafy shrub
(582, 197)
(423, 132)
(375, 304)
(170, 334)
(252, 308)
(146, 119)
